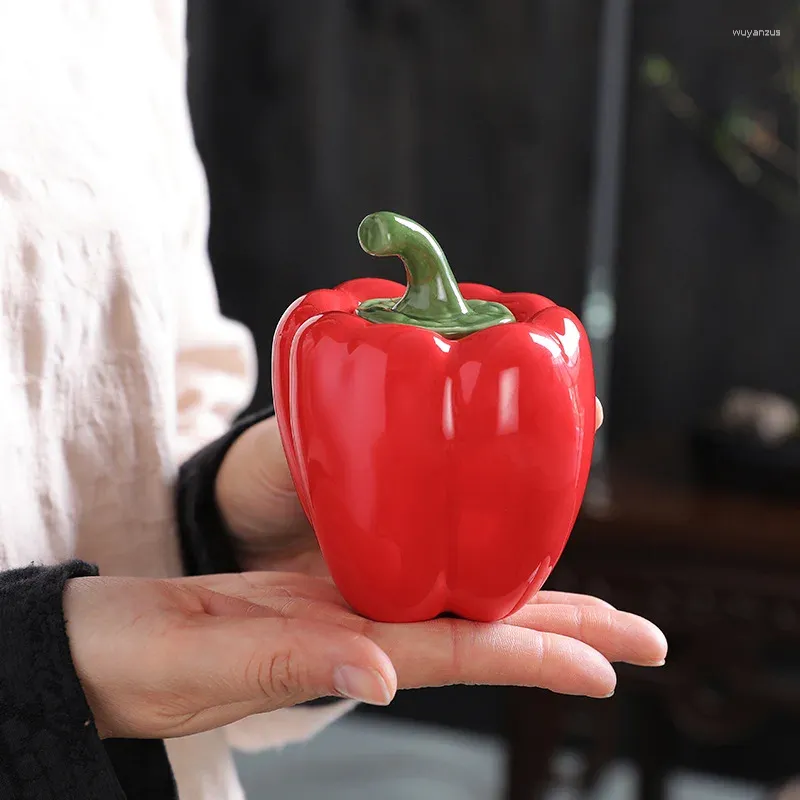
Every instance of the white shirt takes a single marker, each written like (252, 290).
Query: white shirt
(115, 363)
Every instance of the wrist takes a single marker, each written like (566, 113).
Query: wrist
(77, 592)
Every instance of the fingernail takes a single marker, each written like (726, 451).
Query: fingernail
(610, 694)
(660, 663)
(364, 685)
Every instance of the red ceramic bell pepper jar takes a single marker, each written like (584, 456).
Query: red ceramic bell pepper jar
(439, 435)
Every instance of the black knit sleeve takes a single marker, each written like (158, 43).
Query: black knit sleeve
(49, 746)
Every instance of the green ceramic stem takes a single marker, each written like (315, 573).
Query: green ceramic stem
(432, 299)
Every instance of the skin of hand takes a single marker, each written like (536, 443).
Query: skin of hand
(165, 658)
(257, 500)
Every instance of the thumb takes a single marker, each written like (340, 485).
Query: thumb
(247, 666)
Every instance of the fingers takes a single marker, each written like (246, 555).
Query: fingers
(448, 651)
(560, 641)
(599, 414)
(617, 635)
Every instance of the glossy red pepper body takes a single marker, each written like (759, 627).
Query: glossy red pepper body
(440, 475)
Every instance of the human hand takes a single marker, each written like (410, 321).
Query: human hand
(164, 658)
(257, 500)
(256, 497)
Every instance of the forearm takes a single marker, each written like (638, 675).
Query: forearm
(49, 746)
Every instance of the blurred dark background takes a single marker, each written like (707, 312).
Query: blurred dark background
(479, 119)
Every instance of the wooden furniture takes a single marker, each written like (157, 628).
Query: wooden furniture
(718, 571)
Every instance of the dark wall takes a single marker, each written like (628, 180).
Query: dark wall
(477, 118)
(709, 269)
